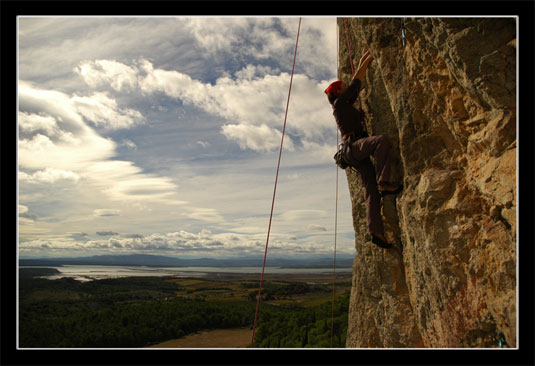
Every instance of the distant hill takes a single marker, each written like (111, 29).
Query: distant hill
(163, 261)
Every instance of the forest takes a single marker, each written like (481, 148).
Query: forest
(135, 312)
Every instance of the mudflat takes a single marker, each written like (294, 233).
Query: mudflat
(218, 338)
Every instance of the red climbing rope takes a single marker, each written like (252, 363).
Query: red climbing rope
(335, 213)
(275, 188)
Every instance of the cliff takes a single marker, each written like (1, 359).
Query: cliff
(447, 101)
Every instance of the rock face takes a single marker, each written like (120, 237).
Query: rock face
(447, 101)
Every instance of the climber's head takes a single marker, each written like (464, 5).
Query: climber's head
(334, 90)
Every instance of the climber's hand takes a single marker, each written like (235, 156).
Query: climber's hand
(363, 65)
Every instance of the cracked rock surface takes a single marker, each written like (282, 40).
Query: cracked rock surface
(447, 101)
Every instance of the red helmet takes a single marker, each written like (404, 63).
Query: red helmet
(333, 87)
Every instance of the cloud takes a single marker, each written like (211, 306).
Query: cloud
(104, 112)
(93, 101)
(22, 209)
(49, 176)
(304, 215)
(261, 38)
(186, 243)
(216, 34)
(79, 236)
(271, 38)
(255, 102)
(42, 151)
(251, 72)
(258, 138)
(205, 214)
(29, 122)
(85, 154)
(107, 72)
(314, 227)
(106, 212)
(24, 213)
(129, 144)
(132, 236)
(106, 233)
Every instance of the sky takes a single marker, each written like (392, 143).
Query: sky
(161, 135)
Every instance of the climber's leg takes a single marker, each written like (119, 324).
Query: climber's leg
(382, 159)
(373, 200)
(378, 147)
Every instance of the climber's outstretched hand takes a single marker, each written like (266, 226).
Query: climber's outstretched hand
(363, 65)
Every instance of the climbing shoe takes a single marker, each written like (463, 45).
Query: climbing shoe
(392, 190)
(381, 243)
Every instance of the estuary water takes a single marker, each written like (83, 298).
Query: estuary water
(92, 272)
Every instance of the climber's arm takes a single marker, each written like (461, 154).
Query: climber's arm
(352, 91)
(363, 66)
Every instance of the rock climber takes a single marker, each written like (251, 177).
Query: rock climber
(376, 180)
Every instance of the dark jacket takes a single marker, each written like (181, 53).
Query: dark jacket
(348, 118)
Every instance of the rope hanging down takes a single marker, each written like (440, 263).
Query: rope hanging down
(334, 263)
(335, 212)
(275, 188)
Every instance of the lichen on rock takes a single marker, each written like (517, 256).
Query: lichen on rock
(447, 101)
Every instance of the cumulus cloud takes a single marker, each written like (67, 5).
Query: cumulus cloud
(251, 72)
(270, 38)
(107, 72)
(85, 154)
(29, 122)
(235, 69)
(41, 150)
(185, 243)
(262, 38)
(103, 111)
(49, 176)
(259, 138)
(255, 101)
(216, 34)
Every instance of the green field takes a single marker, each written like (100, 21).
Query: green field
(296, 311)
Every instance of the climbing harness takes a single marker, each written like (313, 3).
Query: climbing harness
(343, 158)
(339, 157)
(275, 188)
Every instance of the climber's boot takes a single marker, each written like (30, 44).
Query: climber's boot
(389, 188)
(380, 242)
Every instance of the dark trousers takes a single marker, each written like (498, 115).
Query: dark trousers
(361, 150)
